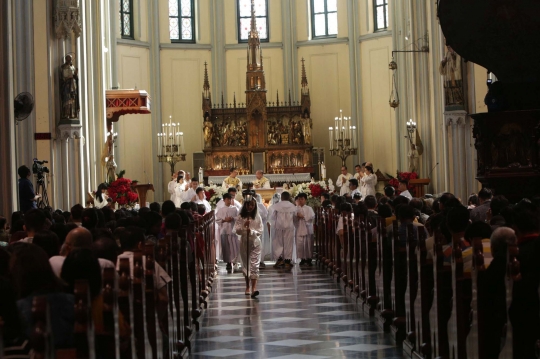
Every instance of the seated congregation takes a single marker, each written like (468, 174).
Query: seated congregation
(446, 280)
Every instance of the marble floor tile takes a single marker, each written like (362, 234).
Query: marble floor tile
(300, 314)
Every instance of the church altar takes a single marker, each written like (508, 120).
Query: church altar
(274, 178)
(275, 137)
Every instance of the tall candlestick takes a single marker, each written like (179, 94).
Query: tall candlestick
(354, 136)
(331, 132)
(337, 128)
(182, 143)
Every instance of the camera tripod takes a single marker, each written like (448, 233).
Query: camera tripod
(42, 201)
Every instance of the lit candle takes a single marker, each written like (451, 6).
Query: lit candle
(346, 120)
(354, 136)
(337, 128)
(182, 143)
(331, 132)
(158, 152)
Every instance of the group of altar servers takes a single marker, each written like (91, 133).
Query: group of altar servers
(287, 223)
(287, 228)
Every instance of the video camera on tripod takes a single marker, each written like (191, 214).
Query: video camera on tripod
(38, 168)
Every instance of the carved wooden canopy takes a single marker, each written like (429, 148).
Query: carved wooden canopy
(124, 102)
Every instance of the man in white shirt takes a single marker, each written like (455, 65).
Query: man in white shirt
(404, 188)
(303, 222)
(343, 181)
(283, 222)
(189, 194)
(225, 218)
(232, 191)
(76, 238)
(261, 181)
(232, 180)
(201, 199)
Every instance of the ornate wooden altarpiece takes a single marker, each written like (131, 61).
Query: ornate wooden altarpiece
(234, 133)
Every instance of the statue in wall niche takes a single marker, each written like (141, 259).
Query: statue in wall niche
(307, 124)
(297, 133)
(271, 133)
(69, 89)
(207, 129)
(414, 158)
(450, 68)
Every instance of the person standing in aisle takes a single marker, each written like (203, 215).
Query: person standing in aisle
(249, 227)
(303, 221)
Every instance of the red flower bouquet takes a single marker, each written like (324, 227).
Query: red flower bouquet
(394, 182)
(316, 190)
(120, 192)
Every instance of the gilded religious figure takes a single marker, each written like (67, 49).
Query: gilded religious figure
(307, 124)
(450, 68)
(207, 132)
(69, 89)
(271, 133)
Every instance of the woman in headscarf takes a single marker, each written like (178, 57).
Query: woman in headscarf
(249, 228)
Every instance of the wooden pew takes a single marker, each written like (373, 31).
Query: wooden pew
(388, 311)
(410, 344)
(347, 244)
(139, 303)
(372, 265)
(357, 270)
(41, 338)
(152, 321)
(399, 285)
(83, 329)
(179, 318)
(106, 345)
(442, 300)
(125, 304)
(164, 259)
(424, 299)
(379, 275)
(182, 273)
(362, 243)
(194, 271)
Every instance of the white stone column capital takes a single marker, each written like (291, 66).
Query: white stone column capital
(67, 131)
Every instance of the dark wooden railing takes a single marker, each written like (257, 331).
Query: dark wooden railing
(131, 297)
(431, 301)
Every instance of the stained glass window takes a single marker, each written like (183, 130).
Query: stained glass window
(380, 14)
(244, 19)
(126, 19)
(181, 21)
(324, 18)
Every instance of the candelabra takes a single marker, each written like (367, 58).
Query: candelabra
(411, 127)
(343, 138)
(171, 144)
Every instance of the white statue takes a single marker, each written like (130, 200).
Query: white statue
(413, 159)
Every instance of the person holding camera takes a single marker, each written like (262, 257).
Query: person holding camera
(27, 196)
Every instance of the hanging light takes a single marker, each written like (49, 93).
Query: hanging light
(394, 96)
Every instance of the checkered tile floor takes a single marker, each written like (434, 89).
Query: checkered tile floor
(300, 314)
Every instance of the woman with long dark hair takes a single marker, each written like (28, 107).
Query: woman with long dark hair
(249, 228)
(101, 197)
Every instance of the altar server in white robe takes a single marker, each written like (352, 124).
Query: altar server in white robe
(219, 205)
(249, 227)
(353, 187)
(201, 199)
(225, 218)
(303, 221)
(265, 238)
(270, 229)
(189, 195)
(172, 185)
(179, 190)
(343, 181)
(283, 222)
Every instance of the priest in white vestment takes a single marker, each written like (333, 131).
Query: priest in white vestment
(303, 221)
(225, 218)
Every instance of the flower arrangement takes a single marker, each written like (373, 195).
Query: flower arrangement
(214, 193)
(120, 192)
(394, 182)
(313, 189)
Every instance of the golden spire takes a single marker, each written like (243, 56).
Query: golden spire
(206, 84)
(304, 78)
(253, 31)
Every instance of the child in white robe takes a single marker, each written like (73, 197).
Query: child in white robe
(225, 218)
(283, 222)
(303, 221)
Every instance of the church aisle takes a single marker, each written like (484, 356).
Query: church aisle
(301, 314)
